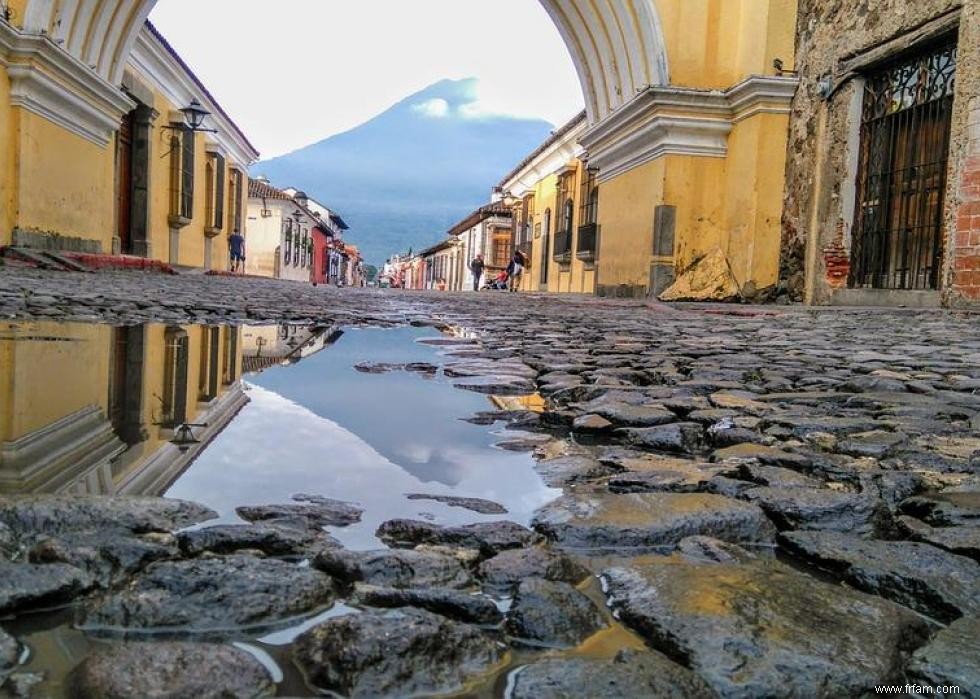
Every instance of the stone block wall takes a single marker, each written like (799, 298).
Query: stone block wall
(823, 145)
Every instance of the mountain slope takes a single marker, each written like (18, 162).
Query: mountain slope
(406, 176)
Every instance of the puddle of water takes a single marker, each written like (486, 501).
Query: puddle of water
(322, 427)
(271, 412)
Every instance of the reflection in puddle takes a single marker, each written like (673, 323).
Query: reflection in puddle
(229, 416)
(160, 409)
(321, 427)
(287, 636)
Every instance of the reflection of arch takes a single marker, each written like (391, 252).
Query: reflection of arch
(616, 45)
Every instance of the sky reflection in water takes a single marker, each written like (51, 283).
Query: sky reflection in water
(321, 427)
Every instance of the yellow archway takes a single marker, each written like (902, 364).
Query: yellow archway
(617, 46)
(689, 155)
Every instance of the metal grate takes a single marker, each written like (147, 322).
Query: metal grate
(905, 129)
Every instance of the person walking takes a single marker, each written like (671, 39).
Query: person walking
(476, 267)
(515, 270)
(236, 248)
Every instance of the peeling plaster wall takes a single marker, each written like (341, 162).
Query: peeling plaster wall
(821, 160)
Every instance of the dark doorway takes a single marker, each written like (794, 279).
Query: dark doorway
(905, 129)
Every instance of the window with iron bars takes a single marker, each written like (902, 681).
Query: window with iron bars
(566, 212)
(527, 220)
(901, 185)
(589, 198)
(215, 191)
(588, 215)
(235, 200)
(288, 251)
(501, 249)
(182, 152)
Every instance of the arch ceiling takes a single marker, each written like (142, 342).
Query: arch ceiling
(616, 46)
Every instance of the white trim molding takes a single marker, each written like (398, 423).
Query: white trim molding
(681, 121)
(549, 161)
(47, 81)
(151, 61)
(52, 458)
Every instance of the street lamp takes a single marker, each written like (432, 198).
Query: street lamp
(184, 438)
(194, 115)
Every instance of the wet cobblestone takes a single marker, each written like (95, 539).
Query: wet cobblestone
(849, 430)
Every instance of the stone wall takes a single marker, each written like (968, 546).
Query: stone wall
(963, 269)
(833, 36)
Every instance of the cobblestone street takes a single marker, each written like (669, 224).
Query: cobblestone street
(846, 440)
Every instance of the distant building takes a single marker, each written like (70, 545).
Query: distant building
(267, 346)
(279, 240)
(555, 201)
(486, 231)
(438, 266)
(330, 257)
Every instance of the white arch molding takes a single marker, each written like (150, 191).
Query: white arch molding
(617, 46)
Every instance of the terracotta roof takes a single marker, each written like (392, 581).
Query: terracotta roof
(197, 81)
(255, 365)
(555, 137)
(263, 190)
(497, 208)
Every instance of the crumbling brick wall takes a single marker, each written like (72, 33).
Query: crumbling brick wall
(963, 216)
(818, 210)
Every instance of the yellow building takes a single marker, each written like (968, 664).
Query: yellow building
(96, 409)
(92, 167)
(685, 132)
(556, 233)
(686, 168)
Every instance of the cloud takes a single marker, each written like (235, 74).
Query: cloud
(434, 108)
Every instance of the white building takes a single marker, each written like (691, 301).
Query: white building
(338, 267)
(486, 231)
(279, 239)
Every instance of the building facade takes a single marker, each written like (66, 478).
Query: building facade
(554, 198)
(686, 119)
(340, 261)
(883, 180)
(439, 270)
(280, 240)
(116, 169)
(488, 232)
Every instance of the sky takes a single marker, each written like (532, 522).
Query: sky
(293, 72)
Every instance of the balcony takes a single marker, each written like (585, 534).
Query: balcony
(525, 249)
(587, 238)
(563, 246)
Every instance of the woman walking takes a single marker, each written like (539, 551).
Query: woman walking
(515, 270)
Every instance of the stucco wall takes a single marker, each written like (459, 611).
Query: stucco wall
(64, 183)
(821, 162)
(717, 43)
